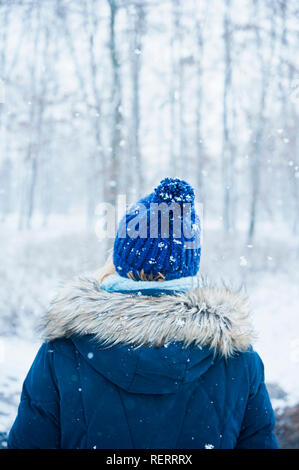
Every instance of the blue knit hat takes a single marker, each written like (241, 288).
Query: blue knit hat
(159, 237)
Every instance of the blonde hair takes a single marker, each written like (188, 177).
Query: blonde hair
(109, 269)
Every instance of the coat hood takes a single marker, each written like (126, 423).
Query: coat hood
(148, 344)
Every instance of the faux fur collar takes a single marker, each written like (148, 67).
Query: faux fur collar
(212, 316)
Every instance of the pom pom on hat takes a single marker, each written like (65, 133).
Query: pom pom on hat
(174, 189)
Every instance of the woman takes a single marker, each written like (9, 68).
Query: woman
(149, 356)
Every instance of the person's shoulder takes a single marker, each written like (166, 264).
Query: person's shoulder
(43, 369)
(252, 358)
(59, 346)
(253, 364)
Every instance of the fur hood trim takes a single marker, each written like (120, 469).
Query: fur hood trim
(214, 316)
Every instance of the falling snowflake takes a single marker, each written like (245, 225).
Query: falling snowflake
(243, 261)
(209, 446)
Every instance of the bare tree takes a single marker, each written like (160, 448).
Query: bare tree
(96, 167)
(227, 149)
(289, 116)
(88, 80)
(137, 31)
(6, 166)
(35, 114)
(174, 89)
(259, 132)
(199, 148)
(112, 177)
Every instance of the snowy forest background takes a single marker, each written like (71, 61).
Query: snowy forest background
(106, 97)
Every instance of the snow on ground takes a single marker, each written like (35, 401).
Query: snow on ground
(33, 264)
(16, 356)
(275, 305)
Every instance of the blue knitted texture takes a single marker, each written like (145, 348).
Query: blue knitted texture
(154, 239)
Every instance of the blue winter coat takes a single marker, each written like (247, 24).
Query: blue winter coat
(122, 370)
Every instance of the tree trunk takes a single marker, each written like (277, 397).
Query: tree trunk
(111, 179)
(226, 146)
(138, 30)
